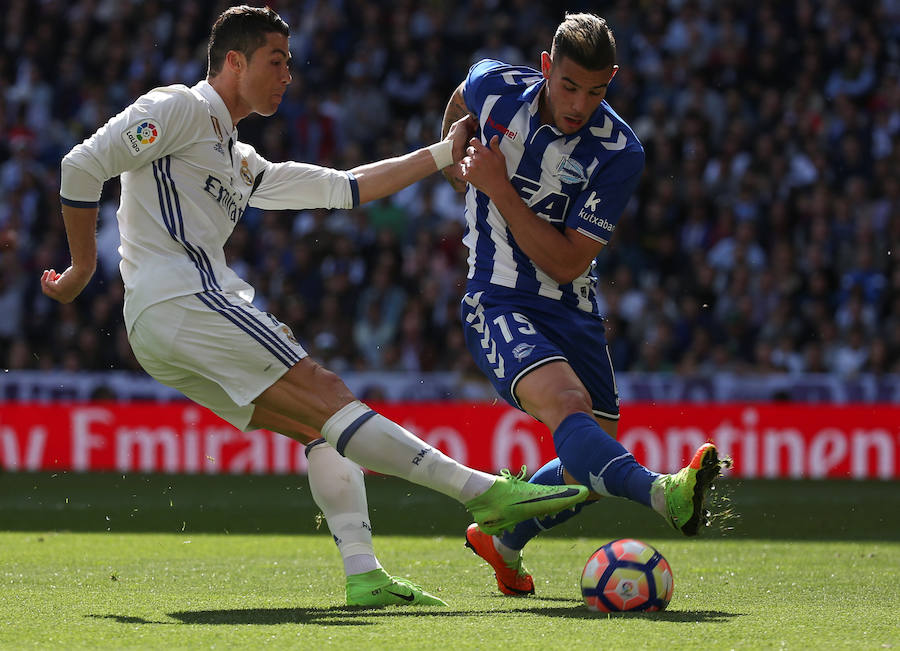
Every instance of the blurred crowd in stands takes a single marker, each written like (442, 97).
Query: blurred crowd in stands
(764, 236)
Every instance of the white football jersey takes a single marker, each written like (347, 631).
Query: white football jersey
(186, 182)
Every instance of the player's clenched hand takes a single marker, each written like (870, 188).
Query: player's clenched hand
(484, 167)
(66, 286)
(460, 132)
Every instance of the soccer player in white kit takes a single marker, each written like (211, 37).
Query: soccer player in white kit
(186, 181)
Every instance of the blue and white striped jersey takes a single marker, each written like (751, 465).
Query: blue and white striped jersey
(581, 181)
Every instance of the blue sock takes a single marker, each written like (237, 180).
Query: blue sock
(551, 474)
(599, 461)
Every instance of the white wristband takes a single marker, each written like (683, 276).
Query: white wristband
(442, 152)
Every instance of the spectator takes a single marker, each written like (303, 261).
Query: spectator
(764, 235)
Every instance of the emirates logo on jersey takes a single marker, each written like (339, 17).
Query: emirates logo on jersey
(231, 202)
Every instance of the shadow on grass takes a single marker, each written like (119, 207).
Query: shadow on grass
(127, 619)
(350, 616)
(817, 510)
(688, 616)
(334, 616)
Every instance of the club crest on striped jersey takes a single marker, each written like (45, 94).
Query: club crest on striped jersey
(570, 170)
(522, 351)
(141, 135)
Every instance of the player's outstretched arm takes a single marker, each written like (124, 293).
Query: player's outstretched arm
(385, 177)
(456, 109)
(81, 226)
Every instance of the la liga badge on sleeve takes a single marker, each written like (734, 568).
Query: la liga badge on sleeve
(141, 135)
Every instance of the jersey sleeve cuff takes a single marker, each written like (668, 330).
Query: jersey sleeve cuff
(593, 236)
(78, 204)
(354, 189)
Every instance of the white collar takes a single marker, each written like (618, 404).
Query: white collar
(210, 94)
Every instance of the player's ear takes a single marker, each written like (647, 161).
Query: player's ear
(546, 64)
(235, 60)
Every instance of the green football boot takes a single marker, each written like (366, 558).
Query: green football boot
(377, 588)
(687, 490)
(511, 499)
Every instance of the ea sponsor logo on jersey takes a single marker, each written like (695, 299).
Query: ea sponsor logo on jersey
(141, 135)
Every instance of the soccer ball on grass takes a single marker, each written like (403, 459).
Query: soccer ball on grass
(626, 574)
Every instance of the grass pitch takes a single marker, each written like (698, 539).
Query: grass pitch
(106, 561)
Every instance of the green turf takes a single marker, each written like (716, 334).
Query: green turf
(236, 562)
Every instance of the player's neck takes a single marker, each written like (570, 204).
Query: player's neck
(544, 111)
(228, 91)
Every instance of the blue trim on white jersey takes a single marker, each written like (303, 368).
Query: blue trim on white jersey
(78, 204)
(354, 189)
(174, 221)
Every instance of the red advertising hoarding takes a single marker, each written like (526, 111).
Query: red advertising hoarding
(764, 440)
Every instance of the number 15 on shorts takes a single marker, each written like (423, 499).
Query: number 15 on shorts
(525, 328)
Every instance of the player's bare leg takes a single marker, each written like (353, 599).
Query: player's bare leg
(318, 398)
(553, 394)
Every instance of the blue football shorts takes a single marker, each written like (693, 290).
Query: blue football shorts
(510, 334)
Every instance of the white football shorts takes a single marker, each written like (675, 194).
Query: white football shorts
(215, 348)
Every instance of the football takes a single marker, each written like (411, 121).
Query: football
(626, 575)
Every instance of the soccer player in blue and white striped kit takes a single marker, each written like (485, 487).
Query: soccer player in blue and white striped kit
(545, 184)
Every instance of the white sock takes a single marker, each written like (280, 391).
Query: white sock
(509, 554)
(338, 489)
(383, 446)
(658, 498)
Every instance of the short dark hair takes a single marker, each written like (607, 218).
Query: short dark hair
(587, 40)
(243, 29)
